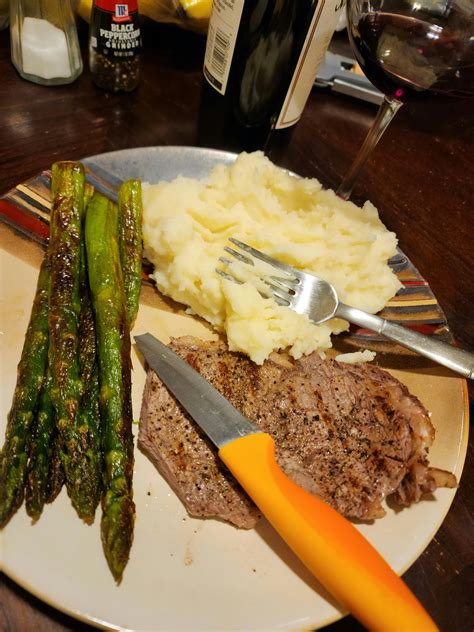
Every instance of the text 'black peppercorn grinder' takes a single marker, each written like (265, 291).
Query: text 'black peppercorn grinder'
(115, 45)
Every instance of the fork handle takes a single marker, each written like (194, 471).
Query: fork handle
(452, 357)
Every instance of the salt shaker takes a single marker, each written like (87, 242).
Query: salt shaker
(44, 43)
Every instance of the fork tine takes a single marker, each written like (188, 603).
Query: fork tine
(281, 296)
(263, 257)
(282, 283)
(225, 261)
(285, 283)
(239, 256)
(228, 276)
(278, 292)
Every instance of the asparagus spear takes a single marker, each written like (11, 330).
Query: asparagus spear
(45, 474)
(130, 242)
(56, 478)
(31, 370)
(65, 307)
(113, 343)
(40, 453)
(88, 415)
(45, 471)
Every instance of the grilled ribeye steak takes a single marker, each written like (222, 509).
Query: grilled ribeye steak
(350, 433)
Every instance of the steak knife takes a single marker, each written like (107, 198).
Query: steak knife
(335, 552)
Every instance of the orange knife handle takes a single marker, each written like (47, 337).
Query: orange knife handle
(328, 544)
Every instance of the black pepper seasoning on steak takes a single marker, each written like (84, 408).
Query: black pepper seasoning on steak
(352, 434)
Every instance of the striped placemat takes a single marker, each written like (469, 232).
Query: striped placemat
(25, 208)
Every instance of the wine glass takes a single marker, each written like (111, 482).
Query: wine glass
(409, 49)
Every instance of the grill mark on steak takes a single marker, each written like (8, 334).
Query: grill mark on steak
(352, 434)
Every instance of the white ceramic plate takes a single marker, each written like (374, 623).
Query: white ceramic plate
(187, 574)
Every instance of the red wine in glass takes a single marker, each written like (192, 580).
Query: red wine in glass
(405, 56)
(410, 50)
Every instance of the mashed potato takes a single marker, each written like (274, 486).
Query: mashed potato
(357, 356)
(187, 223)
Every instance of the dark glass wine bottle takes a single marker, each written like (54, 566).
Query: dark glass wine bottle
(260, 64)
(114, 45)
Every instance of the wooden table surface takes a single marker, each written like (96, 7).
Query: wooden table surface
(421, 177)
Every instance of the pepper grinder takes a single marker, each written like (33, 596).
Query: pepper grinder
(115, 45)
(44, 42)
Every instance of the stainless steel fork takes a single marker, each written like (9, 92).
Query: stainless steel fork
(308, 294)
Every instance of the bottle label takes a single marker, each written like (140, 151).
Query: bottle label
(317, 40)
(115, 30)
(221, 38)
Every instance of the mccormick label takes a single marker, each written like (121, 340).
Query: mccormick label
(115, 30)
(120, 10)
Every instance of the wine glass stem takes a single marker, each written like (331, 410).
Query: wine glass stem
(387, 110)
